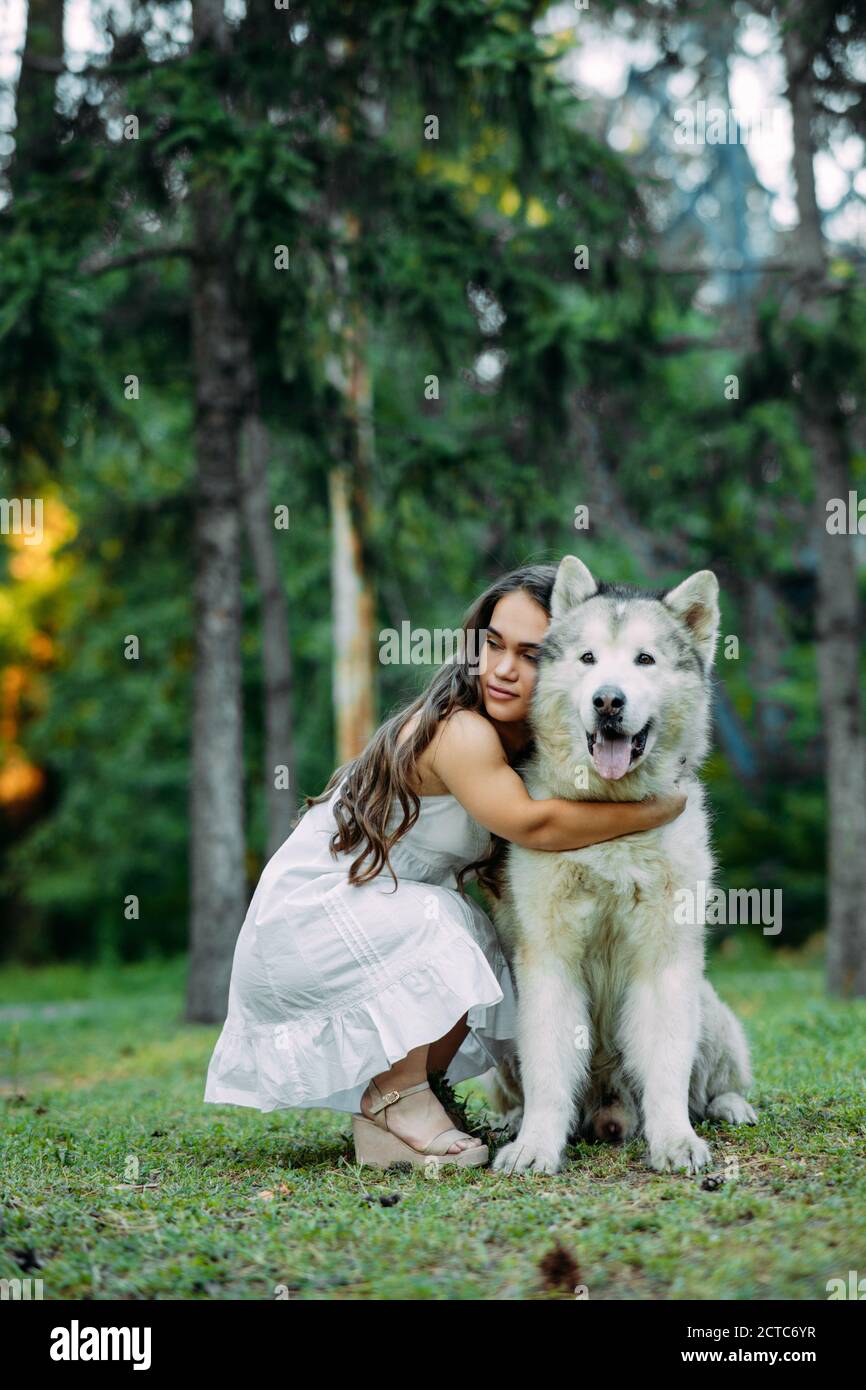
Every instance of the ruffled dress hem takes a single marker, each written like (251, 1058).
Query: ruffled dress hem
(325, 1059)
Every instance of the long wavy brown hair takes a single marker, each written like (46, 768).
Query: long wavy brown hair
(382, 775)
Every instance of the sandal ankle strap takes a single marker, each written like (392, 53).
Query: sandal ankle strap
(390, 1097)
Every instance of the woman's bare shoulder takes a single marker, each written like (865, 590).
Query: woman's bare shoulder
(466, 730)
(457, 724)
(463, 732)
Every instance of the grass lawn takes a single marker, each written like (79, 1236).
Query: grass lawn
(119, 1182)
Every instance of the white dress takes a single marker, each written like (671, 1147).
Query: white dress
(333, 982)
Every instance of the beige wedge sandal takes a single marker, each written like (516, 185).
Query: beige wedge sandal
(378, 1146)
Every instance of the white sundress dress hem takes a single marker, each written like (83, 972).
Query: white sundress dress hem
(262, 1066)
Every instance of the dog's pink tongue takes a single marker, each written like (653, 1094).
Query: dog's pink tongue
(611, 756)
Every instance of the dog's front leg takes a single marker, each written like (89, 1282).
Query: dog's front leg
(554, 1048)
(659, 1035)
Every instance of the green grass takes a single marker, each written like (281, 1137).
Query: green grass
(119, 1182)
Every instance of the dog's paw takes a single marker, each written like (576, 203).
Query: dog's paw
(524, 1155)
(732, 1108)
(680, 1153)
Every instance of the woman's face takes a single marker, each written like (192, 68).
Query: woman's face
(509, 656)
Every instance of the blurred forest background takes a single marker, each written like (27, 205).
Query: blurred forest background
(316, 318)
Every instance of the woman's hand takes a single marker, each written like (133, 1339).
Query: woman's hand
(660, 810)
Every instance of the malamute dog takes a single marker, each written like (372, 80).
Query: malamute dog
(617, 1027)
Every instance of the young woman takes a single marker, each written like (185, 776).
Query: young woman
(351, 985)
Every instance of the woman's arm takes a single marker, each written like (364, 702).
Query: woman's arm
(469, 759)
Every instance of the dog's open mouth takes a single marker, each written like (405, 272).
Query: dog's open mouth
(613, 753)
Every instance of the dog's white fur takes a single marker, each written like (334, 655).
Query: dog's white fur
(590, 933)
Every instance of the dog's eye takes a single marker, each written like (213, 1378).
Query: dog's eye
(587, 658)
(644, 659)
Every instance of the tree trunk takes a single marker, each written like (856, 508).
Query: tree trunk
(839, 636)
(839, 624)
(351, 593)
(281, 801)
(218, 887)
(27, 934)
(41, 59)
(352, 608)
(280, 770)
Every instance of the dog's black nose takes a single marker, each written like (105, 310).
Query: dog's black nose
(608, 699)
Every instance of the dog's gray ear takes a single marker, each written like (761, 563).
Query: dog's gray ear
(574, 583)
(696, 603)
